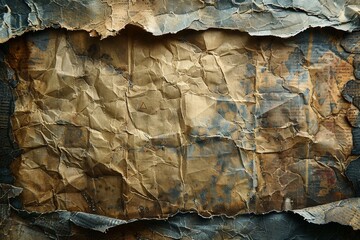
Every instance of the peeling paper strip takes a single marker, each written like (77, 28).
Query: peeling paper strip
(283, 225)
(189, 225)
(257, 17)
(345, 212)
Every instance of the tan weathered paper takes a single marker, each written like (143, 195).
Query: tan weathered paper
(219, 122)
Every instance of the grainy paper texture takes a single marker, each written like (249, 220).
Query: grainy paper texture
(219, 122)
(111, 128)
(283, 18)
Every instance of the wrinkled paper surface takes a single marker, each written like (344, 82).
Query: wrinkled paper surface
(258, 17)
(219, 122)
(127, 132)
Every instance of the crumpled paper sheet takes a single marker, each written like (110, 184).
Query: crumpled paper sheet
(322, 182)
(257, 17)
(345, 212)
(276, 226)
(285, 225)
(55, 224)
(218, 122)
(19, 224)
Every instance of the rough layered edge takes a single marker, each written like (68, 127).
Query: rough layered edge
(284, 225)
(97, 17)
(283, 18)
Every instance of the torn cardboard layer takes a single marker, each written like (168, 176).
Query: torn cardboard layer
(217, 122)
(345, 212)
(285, 225)
(257, 17)
(62, 224)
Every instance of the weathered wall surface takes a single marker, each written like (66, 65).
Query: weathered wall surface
(98, 132)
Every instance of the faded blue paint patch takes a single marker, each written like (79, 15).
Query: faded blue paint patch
(227, 190)
(250, 70)
(221, 163)
(304, 78)
(302, 40)
(306, 96)
(333, 106)
(203, 197)
(321, 99)
(41, 40)
(174, 193)
(328, 160)
(294, 63)
(214, 195)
